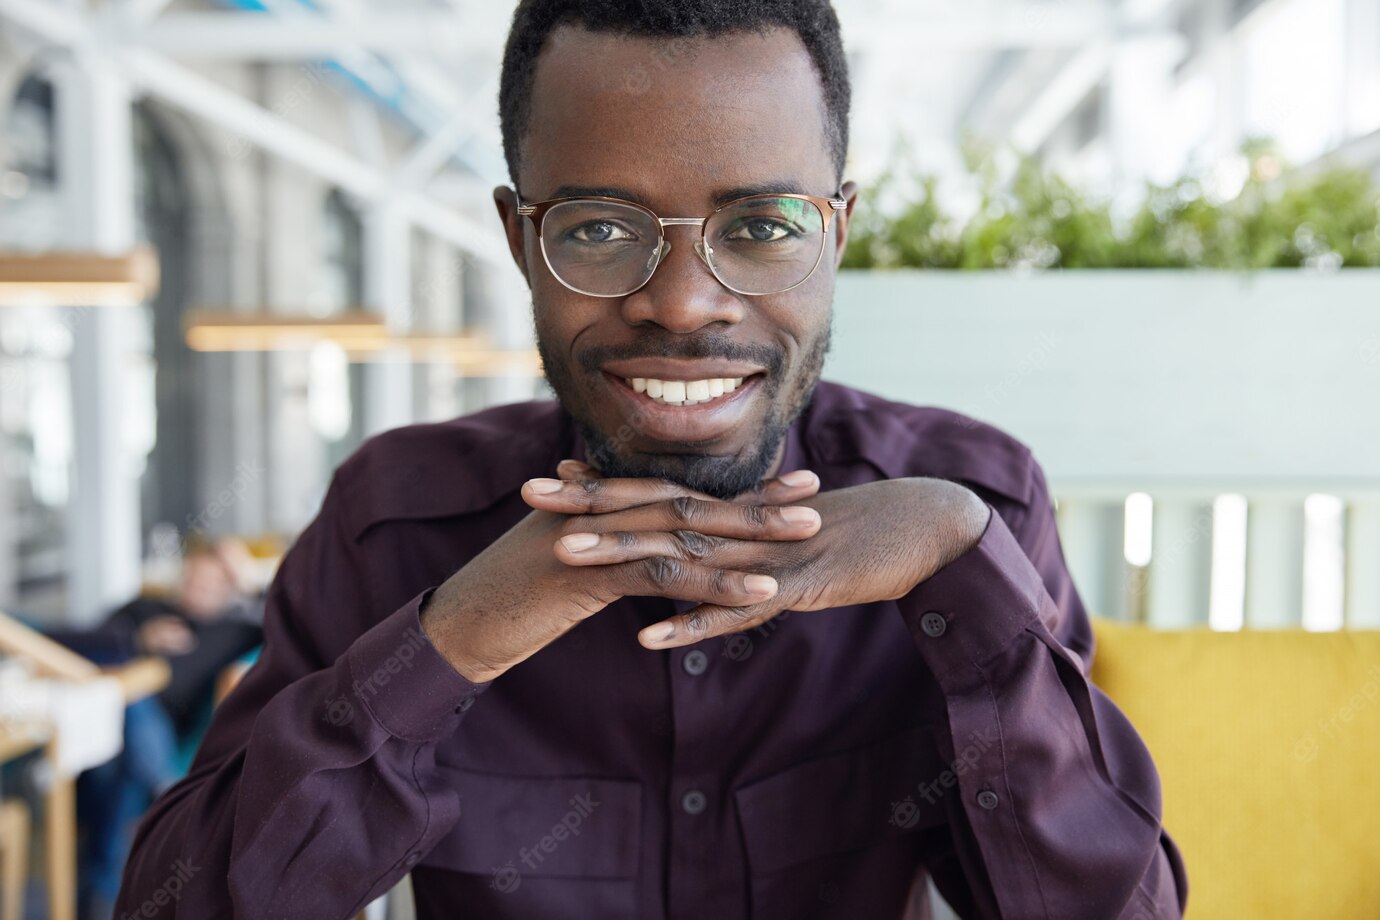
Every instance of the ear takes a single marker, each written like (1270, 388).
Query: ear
(514, 227)
(841, 219)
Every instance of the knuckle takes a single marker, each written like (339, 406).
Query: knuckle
(697, 622)
(662, 571)
(720, 584)
(693, 544)
(626, 539)
(755, 516)
(686, 510)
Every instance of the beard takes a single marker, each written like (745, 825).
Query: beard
(721, 476)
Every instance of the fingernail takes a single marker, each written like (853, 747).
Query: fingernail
(578, 541)
(797, 478)
(764, 585)
(544, 486)
(659, 633)
(799, 514)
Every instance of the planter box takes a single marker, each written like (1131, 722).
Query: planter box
(1166, 377)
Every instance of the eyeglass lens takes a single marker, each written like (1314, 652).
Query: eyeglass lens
(754, 246)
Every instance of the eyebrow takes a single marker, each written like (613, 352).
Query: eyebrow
(721, 196)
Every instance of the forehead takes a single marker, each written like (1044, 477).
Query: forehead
(676, 120)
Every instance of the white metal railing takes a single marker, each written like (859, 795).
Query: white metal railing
(1204, 568)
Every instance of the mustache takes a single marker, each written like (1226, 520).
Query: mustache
(709, 346)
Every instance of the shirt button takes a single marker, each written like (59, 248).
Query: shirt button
(987, 799)
(933, 624)
(412, 858)
(693, 802)
(694, 662)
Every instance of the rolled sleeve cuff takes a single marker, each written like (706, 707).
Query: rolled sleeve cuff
(972, 608)
(404, 682)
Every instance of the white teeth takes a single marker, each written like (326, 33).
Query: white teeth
(684, 392)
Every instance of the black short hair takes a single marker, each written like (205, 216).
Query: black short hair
(534, 20)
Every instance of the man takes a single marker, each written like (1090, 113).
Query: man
(761, 648)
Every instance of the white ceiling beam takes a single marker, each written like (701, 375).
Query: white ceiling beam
(260, 37)
(981, 26)
(428, 156)
(143, 11)
(193, 93)
(1040, 106)
(1060, 96)
(51, 23)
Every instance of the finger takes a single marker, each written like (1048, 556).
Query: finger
(709, 517)
(661, 576)
(570, 470)
(703, 622)
(794, 486)
(611, 548)
(603, 495)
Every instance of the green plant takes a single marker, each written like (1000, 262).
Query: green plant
(1033, 219)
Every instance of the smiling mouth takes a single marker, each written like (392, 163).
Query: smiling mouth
(685, 392)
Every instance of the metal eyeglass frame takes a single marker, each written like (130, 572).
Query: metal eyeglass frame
(827, 208)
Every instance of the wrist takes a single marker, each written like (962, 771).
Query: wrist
(965, 521)
(438, 623)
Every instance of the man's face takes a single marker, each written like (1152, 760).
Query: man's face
(679, 126)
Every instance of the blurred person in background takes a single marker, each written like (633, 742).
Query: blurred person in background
(207, 624)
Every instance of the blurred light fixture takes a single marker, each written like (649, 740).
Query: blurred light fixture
(362, 335)
(78, 279)
(226, 330)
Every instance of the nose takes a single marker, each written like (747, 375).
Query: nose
(683, 295)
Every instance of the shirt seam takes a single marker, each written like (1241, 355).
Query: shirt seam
(1006, 782)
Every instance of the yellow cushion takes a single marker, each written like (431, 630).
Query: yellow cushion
(1268, 748)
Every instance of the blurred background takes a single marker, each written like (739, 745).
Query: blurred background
(237, 238)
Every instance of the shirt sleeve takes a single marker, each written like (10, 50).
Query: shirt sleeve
(1051, 799)
(314, 790)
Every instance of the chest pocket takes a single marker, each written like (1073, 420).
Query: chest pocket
(539, 846)
(840, 834)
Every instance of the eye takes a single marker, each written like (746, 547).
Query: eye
(760, 230)
(599, 231)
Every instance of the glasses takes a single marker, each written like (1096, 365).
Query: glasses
(608, 247)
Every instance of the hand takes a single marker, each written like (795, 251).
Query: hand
(877, 542)
(520, 594)
(165, 635)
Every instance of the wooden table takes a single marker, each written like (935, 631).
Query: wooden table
(138, 679)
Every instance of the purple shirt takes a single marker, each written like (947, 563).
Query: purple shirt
(817, 766)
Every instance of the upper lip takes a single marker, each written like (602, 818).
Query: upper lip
(680, 368)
